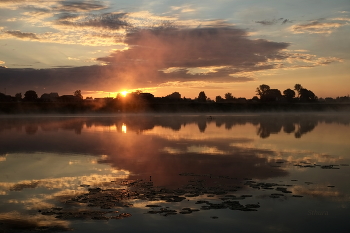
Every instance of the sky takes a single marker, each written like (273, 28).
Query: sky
(161, 47)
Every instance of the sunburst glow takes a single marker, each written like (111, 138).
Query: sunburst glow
(124, 93)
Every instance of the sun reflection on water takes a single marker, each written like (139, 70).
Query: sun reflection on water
(124, 128)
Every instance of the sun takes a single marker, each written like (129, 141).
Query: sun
(124, 93)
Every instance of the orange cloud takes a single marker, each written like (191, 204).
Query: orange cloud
(316, 27)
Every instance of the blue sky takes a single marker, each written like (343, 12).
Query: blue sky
(104, 47)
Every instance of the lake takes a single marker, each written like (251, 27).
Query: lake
(175, 173)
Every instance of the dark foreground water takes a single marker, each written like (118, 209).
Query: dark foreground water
(175, 173)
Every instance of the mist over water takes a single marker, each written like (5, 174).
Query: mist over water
(225, 170)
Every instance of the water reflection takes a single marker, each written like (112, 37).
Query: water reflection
(298, 124)
(48, 162)
(124, 128)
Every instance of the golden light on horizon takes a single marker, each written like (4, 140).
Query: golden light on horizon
(124, 93)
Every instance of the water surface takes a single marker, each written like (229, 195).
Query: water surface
(171, 173)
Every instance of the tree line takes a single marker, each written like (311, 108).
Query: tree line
(263, 94)
(267, 94)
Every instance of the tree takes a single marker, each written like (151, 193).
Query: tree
(255, 99)
(267, 94)
(202, 97)
(228, 96)
(272, 95)
(174, 95)
(298, 87)
(218, 99)
(262, 90)
(307, 95)
(78, 94)
(3, 97)
(289, 94)
(30, 95)
(18, 96)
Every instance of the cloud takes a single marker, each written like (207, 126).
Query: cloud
(341, 19)
(158, 56)
(21, 186)
(183, 8)
(54, 5)
(81, 37)
(273, 21)
(23, 35)
(267, 22)
(302, 59)
(22, 4)
(316, 27)
(286, 21)
(35, 15)
(12, 20)
(80, 6)
(112, 21)
(200, 47)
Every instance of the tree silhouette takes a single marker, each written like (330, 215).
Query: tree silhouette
(202, 97)
(262, 90)
(289, 94)
(267, 94)
(255, 98)
(273, 95)
(228, 96)
(78, 94)
(30, 95)
(218, 99)
(298, 87)
(18, 96)
(307, 95)
(174, 95)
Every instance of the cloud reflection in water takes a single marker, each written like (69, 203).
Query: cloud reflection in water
(95, 150)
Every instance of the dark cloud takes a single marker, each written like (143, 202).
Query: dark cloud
(273, 21)
(64, 17)
(266, 22)
(311, 24)
(199, 47)
(79, 6)
(286, 21)
(55, 79)
(21, 186)
(229, 50)
(110, 20)
(23, 35)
